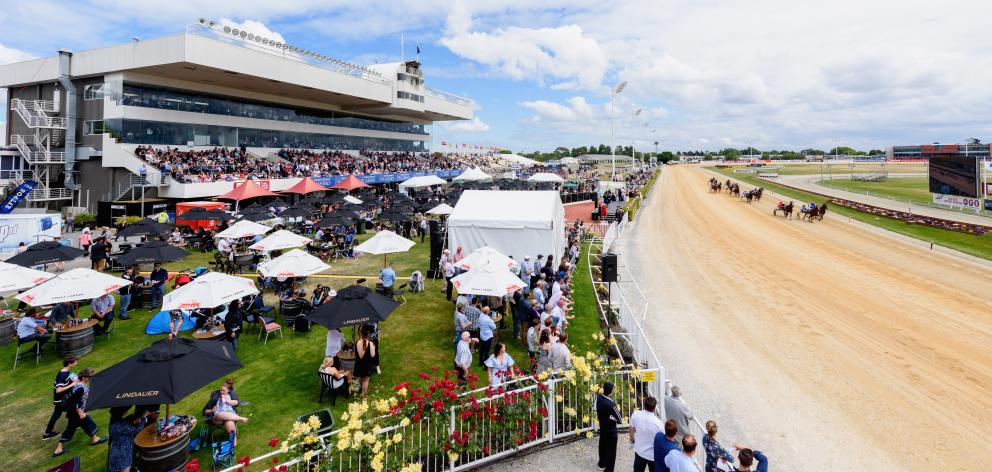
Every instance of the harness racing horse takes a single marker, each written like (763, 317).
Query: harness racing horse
(785, 209)
(757, 193)
(811, 211)
(735, 190)
(715, 186)
(822, 211)
(750, 195)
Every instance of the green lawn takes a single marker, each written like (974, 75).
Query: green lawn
(980, 246)
(279, 378)
(913, 189)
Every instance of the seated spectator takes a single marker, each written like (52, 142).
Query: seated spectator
(103, 312)
(62, 312)
(332, 366)
(32, 328)
(220, 410)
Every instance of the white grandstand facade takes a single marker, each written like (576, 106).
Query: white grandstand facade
(74, 119)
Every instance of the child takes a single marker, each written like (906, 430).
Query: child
(175, 323)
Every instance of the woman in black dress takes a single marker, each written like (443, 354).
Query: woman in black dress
(233, 323)
(365, 359)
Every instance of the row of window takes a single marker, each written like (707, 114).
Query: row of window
(141, 96)
(182, 134)
(410, 96)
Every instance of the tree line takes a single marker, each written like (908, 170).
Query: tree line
(725, 153)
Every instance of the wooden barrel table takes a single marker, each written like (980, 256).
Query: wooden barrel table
(156, 455)
(75, 341)
(214, 334)
(8, 330)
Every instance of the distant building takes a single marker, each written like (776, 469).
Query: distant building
(927, 151)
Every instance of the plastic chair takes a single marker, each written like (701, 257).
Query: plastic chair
(332, 386)
(35, 351)
(326, 421)
(267, 328)
(222, 453)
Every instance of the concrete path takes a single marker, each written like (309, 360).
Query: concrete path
(809, 183)
(575, 456)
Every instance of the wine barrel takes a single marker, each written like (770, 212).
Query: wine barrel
(146, 297)
(8, 330)
(74, 342)
(171, 455)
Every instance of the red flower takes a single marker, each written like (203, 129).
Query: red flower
(485, 450)
(438, 405)
(401, 386)
(275, 460)
(274, 442)
(245, 461)
(282, 468)
(424, 376)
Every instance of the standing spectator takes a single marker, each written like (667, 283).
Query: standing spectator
(462, 323)
(103, 310)
(644, 425)
(233, 323)
(463, 356)
(449, 271)
(561, 356)
(609, 416)
(533, 344)
(158, 277)
(123, 429)
(681, 461)
(526, 271)
(665, 443)
(98, 255)
(125, 292)
(487, 328)
(746, 458)
(500, 365)
(676, 409)
(714, 452)
(365, 359)
(78, 417)
(85, 239)
(64, 381)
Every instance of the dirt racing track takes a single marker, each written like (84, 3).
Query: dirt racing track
(827, 345)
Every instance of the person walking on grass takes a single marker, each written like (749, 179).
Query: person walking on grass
(64, 381)
(75, 406)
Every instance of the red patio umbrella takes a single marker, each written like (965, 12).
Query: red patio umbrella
(350, 183)
(305, 186)
(248, 189)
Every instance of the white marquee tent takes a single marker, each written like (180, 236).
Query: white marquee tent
(514, 223)
(518, 159)
(422, 181)
(473, 174)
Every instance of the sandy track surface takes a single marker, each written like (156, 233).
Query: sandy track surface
(828, 346)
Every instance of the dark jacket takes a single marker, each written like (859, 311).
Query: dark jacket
(608, 414)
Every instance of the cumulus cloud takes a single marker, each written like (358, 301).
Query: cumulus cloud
(8, 55)
(575, 109)
(475, 125)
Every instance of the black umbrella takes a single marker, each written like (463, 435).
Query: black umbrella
(278, 203)
(393, 216)
(144, 227)
(152, 251)
(334, 220)
(256, 217)
(296, 212)
(45, 252)
(353, 305)
(199, 214)
(165, 372)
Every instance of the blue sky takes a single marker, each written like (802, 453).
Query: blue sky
(705, 73)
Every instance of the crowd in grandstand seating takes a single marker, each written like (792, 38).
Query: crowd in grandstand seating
(206, 165)
(304, 162)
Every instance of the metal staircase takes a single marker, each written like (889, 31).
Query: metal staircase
(49, 132)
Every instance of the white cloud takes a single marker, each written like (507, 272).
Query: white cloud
(8, 55)
(475, 125)
(576, 109)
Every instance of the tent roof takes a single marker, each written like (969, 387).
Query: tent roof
(304, 186)
(473, 174)
(506, 209)
(350, 183)
(422, 181)
(524, 161)
(247, 190)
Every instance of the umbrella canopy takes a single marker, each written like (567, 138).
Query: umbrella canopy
(442, 209)
(485, 255)
(144, 227)
(296, 212)
(473, 174)
(305, 186)
(45, 252)
(209, 290)
(14, 277)
(257, 217)
(281, 239)
(295, 263)
(335, 219)
(152, 251)
(199, 214)
(385, 242)
(248, 189)
(243, 229)
(489, 280)
(352, 200)
(76, 284)
(422, 181)
(350, 183)
(165, 372)
(394, 215)
(546, 177)
(277, 203)
(352, 306)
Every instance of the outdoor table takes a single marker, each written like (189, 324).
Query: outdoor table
(8, 330)
(156, 455)
(77, 340)
(217, 333)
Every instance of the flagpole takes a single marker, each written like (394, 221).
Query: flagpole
(402, 49)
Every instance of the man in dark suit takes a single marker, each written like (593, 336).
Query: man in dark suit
(609, 416)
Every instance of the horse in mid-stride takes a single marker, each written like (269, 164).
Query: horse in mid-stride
(785, 209)
(811, 211)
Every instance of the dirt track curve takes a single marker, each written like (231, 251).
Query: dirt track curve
(827, 345)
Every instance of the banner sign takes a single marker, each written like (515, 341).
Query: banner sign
(261, 183)
(988, 205)
(17, 196)
(373, 179)
(929, 149)
(958, 202)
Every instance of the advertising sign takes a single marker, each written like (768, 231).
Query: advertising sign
(958, 201)
(373, 179)
(261, 183)
(17, 196)
(17, 228)
(955, 175)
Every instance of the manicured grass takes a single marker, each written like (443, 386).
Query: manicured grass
(979, 246)
(278, 378)
(912, 189)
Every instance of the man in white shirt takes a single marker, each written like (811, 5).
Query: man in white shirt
(223, 246)
(463, 356)
(644, 424)
(526, 271)
(681, 461)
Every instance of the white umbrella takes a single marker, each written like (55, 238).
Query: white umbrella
(474, 173)
(422, 181)
(295, 263)
(281, 239)
(385, 242)
(76, 284)
(545, 177)
(15, 277)
(488, 280)
(485, 255)
(352, 200)
(209, 290)
(243, 229)
(442, 209)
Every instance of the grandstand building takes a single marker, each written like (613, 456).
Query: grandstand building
(926, 151)
(74, 119)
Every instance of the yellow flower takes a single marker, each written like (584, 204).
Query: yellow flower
(307, 456)
(381, 406)
(393, 401)
(452, 456)
(371, 438)
(559, 398)
(358, 437)
(377, 447)
(585, 419)
(402, 392)
(309, 439)
(389, 442)
(405, 422)
(397, 437)
(344, 416)
(412, 467)
(589, 434)
(343, 444)
(285, 447)
(612, 341)
(313, 422)
(542, 376)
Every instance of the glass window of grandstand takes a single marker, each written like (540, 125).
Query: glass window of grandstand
(410, 96)
(93, 92)
(147, 97)
(93, 127)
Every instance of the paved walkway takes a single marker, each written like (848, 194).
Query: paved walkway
(575, 456)
(809, 183)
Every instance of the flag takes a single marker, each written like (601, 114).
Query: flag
(418, 49)
(17, 196)
(444, 143)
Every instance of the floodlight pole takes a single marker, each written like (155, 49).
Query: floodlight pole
(613, 128)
